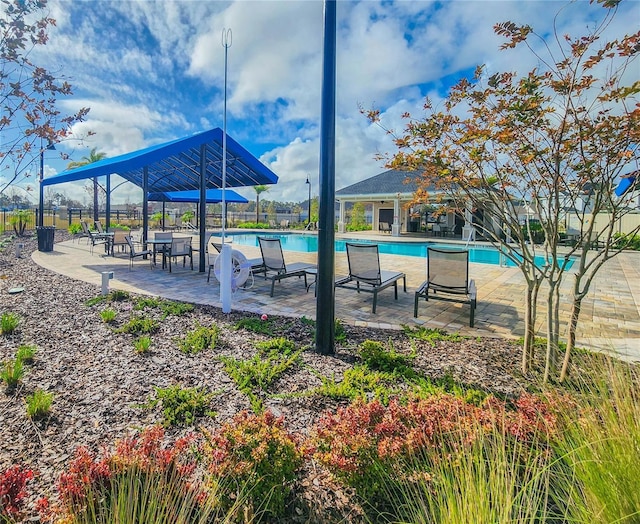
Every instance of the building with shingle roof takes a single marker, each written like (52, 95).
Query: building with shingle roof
(390, 194)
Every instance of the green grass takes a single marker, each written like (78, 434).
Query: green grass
(139, 326)
(142, 344)
(26, 353)
(11, 373)
(181, 406)
(39, 404)
(431, 335)
(9, 323)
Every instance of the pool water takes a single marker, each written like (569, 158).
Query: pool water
(309, 244)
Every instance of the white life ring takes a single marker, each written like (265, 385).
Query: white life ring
(240, 269)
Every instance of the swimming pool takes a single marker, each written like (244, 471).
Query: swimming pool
(309, 244)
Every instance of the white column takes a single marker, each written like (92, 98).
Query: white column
(395, 227)
(468, 231)
(341, 217)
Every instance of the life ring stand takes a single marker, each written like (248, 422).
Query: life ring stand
(240, 269)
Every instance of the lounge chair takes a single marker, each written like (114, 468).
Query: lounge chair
(133, 253)
(365, 273)
(180, 247)
(214, 248)
(448, 274)
(273, 265)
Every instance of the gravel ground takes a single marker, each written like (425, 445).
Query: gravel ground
(99, 382)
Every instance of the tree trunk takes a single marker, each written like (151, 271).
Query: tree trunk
(551, 359)
(528, 351)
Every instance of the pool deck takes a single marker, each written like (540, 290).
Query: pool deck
(609, 321)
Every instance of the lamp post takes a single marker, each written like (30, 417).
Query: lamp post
(50, 146)
(309, 184)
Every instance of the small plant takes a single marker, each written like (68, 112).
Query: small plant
(340, 334)
(376, 356)
(142, 344)
(146, 302)
(108, 315)
(254, 376)
(139, 326)
(199, 339)
(258, 455)
(9, 322)
(13, 491)
(19, 220)
(75, 229)
(118, 295)
(181, 405)
(256, 325)
(431, 334)
(96, 300)
(39, 404)
(279, 345)
(360, 382)
(170, 307)
(26, 353)
(12, 372)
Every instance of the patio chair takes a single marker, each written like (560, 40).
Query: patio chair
(273, 265)
(134, 253)
(95, 238)
(98, 226)
(118, 240)
(448, 274)
(385, 227)
(214, 248)
(365, 273)
(180, 247)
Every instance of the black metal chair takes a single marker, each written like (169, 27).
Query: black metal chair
(133, 253)
(273, 265)
(448, 274)
(365, 273)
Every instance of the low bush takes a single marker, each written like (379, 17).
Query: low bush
(253, 458)
(181, 406)
(142, 344)
(108, 315)
(139, 326)
(201, 338)
(13, 491)
(141, 480)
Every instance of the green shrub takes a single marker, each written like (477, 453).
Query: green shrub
(253, 225)
(181, 406)
(9, 322)
(431, 334)
(39, 404)
(376, 356)
(118, 295)
(256, 325)
(360, 382)
(12, 372)
(75, 229)
(108, 315)
(254, 376)
(627, 241)
(96, 300)
(201, 338)
(139, 326)
(255, 456)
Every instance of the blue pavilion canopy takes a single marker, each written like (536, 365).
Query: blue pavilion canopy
(626, 183)
(214, 196)
(176, 165)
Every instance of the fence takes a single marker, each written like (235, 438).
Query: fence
(62, 218)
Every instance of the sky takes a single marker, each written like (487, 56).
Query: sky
(154, 71)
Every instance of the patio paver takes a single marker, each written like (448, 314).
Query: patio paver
(610, 317)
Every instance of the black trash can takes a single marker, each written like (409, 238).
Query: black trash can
(45, 237)
(413, 226)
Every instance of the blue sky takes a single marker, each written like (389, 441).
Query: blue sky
(153, 71)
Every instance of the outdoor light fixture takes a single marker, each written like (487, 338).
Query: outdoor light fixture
(309, 184)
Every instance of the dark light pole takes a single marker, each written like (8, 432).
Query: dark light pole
(309, 183)
(50, 147)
